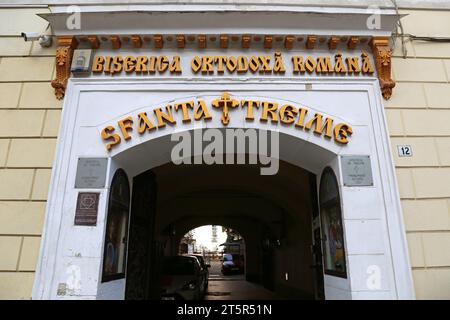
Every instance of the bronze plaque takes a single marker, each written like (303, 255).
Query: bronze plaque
(87, 209)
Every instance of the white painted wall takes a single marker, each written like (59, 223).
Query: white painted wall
(373, 230)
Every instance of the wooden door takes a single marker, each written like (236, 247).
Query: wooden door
(140, 268)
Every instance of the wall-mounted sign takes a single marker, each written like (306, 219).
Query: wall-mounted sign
(356, 171)
(404, 150)
(199, 110)
(241, 65)
(87, 209)
(81, 61)
(91, 173)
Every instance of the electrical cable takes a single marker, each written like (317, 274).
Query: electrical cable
(399, 25)
(402, 35)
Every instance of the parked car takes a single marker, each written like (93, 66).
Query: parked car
(182, 278)
(232, 263)
(205, 267)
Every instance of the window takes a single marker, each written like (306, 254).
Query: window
(115, 245)
(332, 229)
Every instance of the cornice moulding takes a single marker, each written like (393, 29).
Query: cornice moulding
(402, 4)
(126, 21)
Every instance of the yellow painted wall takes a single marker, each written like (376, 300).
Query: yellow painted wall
(29, 116)
(418, 114)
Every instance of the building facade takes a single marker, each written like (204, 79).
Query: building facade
(320, 74)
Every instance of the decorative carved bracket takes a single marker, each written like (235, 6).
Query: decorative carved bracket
(268, 42)
(246, 41)
(181, 41)
(289, 42)
(333, 43)
(201, 39)
(382, 55)
(63, 60)
(311, 42)
(224, 41)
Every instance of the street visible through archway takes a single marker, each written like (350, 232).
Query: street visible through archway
(223, 250)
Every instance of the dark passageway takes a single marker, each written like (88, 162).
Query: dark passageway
(273, 214)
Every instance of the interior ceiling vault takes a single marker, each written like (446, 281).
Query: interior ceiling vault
(231, 191)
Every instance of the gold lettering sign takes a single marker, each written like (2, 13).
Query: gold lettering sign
(239, 65)
(138, 65)
(264, 111)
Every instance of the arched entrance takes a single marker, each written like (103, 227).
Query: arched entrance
(273, 213)
(370, 213)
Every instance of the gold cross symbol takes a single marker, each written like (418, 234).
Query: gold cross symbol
(225, 102)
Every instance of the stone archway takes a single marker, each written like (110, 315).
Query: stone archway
(91, 105)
